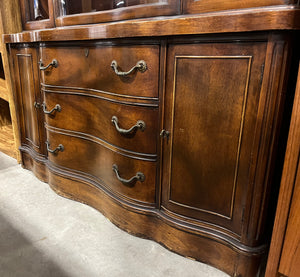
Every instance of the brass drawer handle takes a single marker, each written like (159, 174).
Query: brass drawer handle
(140, 124)
(164, 134)
(140, 66)
(138, 177)
(56, 108)
(36, 105)
(60, 148)
(54, 63)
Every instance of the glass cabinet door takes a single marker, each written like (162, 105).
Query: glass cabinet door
(73, 12)
(37, 14)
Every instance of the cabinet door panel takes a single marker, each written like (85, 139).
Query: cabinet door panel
(27, 87)
(212, 100)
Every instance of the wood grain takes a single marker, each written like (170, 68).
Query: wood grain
(218, 92)
(10, 22)
(260, 19)
(289, 176)
(98, 162)
(5, 118)
(82, 104)
(90, 67)
(27, 93)
(7, 142)
(290, 257)
(191, 6)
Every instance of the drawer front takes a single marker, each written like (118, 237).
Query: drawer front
(93, 160)
(91, 67)
(130, 127)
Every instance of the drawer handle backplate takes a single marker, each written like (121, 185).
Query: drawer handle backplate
(56, 108)
(140, 124)
(140, 66)
(138, 177)
(60, 148)
(54, 63)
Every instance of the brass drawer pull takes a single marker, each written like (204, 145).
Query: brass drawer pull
(140, 124)
(56, 108)
(140, 66)
(36, 105)
(54, 63)
(164, 134)
(138, 177)
(60, 148)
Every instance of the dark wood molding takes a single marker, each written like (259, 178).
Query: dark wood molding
(288, 182)
(259, 19)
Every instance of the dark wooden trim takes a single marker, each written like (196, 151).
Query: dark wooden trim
(258, 19)
(287, 186)
(190, 6)
(107, 96)
(270, 112)
(162, 92)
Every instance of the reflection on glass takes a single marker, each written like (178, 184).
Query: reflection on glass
(38, 9)
(67, 7)
(62, 7)
(119, 4)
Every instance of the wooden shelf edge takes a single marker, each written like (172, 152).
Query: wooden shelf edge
(275, 18)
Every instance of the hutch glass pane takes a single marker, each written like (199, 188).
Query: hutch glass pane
(68, 7)
(38, 10)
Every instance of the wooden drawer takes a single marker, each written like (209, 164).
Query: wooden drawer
(94, 160)
(90, 67)
(93, 114)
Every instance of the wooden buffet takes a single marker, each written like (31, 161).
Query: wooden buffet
(163, 115)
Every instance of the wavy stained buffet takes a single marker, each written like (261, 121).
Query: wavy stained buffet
(167, 125)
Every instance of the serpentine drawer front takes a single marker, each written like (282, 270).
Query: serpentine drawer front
(114, 170)
(127, 125)
(128, 70)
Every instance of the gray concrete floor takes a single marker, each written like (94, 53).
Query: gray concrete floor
(43, 234)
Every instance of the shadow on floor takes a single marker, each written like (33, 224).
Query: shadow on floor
(21, 257)
(6, 161)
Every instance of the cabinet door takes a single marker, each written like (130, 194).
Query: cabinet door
(26, 74)
(74, 12)
(212, 98)
(37, 14)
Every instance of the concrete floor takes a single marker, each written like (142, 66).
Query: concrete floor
(43, 234)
